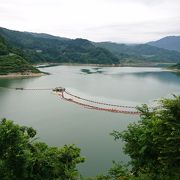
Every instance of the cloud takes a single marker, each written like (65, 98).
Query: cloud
(98, 20)
(137, 32)
(146, 2)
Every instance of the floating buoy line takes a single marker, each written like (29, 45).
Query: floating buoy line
(86, 103)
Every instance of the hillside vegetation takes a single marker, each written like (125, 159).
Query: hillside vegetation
(47, 48)
(140, 52)
(16, 48)
(3, 47)
(13, 63)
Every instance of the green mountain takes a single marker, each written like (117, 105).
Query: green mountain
(11, 62)
(169, 42)
(48, 36)
(141, 52)
(47, 48)
(40, 47)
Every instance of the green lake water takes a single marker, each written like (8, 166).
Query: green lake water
(59, 122)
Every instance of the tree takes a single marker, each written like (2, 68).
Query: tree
(154, 142)
(23, 157)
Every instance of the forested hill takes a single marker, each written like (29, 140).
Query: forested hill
(47, 48)
(40, 47)
(141, 52)
(169, 42)
(11, 62)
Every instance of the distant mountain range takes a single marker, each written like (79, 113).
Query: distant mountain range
(169, 42)
(40, 47)
(140, 52)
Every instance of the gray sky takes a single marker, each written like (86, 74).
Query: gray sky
(130, 21)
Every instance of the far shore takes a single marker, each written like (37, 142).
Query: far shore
(44, 65)
(14, 75)
(152, 64)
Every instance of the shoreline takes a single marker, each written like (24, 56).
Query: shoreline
(44, 65)
(14, 75)
(73, 64)
(18, 75)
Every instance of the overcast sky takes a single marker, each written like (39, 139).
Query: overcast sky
(130, 21)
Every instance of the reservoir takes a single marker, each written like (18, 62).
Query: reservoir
(60, 122)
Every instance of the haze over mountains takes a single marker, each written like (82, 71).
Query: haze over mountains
(141, 52)
(40, 47)
(169, 42)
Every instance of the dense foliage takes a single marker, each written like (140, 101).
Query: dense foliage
(23, 157)
(154, 142)
(47, 48)
(141, 52)
(12, 61)
(15, 64)
(3, 47)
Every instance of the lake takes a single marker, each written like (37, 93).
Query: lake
(60, 122)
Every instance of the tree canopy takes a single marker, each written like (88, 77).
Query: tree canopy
(154, 142)
(23, 157)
